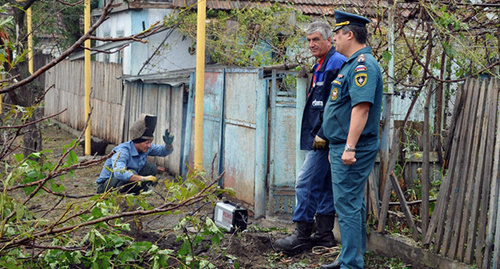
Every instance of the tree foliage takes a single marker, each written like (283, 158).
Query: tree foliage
(246, 37)
(445, 41)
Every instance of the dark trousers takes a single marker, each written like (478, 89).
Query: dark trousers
(149, 169)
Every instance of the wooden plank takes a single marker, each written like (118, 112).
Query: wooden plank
(458, 175)
(177, 123)
(460, 232)
(486, 221)
(404, 206)
(125, 108)
(488, 169)
(387, 187)
(496, 209)
(117, 84)
(479, 180)
(372, 195)
(425, 179)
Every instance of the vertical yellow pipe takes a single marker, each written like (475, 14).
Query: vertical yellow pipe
(87, 78)
(30, 40)
(200, 85)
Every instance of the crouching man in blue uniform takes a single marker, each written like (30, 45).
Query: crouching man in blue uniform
(313, 187)
(127, 170)
(351, 125)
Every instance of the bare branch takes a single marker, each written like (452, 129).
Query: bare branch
(58, 202)
(33, 122)
(40, 98)
(116, 39)
(31, 245)
(105, 51)
(65, 54)
(70, 4)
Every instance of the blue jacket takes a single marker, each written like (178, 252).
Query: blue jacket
(128, 158)
(318, 94)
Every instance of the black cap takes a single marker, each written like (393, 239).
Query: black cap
(150, 127)
(143, 128)
(343, 18)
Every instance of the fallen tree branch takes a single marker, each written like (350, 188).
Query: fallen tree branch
(33, 122)
(16, 241)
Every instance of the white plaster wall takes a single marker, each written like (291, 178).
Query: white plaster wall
(173, 54)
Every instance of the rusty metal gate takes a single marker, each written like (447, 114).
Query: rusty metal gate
(282, 144)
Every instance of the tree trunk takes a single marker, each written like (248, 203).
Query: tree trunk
(25, 96)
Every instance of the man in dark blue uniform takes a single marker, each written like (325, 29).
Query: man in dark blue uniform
(313, 187)
(351, 125)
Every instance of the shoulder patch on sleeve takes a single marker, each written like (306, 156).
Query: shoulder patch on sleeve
(361, 58)
(361, 79)
(360, 68)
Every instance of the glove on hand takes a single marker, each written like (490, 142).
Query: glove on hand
(168, 138)
(149, 179)
(319, 143)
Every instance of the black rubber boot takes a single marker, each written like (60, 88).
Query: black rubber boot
(298, 242)
(324, 232)
(334, 265)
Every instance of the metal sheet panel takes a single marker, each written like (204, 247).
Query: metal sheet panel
(212, 110)
(239, 132)
(241, 97)
(239, 161)
(284, 153)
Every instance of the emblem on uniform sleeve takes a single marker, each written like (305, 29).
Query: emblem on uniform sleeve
(360, 68)
(361, 79)
(361, 58)
(335, 94)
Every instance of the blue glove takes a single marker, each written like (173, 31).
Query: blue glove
(168, 138)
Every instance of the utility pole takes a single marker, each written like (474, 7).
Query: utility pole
(200, 85)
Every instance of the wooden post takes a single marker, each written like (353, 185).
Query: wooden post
(404, 206)
(493, 233)
(425, 180)
(387, 187)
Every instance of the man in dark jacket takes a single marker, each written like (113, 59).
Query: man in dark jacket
(313, 187)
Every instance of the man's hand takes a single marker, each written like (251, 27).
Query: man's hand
(348, 157)
(168, 138)
(149, 179)
(319, 143)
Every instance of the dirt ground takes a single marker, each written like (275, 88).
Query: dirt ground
(248, 249)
